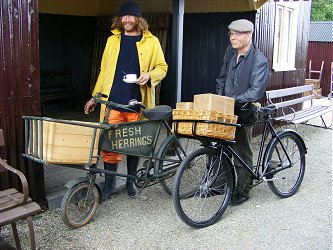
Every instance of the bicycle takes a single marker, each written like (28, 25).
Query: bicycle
(140, 138)
(204, 182)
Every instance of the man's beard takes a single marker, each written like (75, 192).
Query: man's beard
(134, 27)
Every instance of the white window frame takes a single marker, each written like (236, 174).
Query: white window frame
(285, 35)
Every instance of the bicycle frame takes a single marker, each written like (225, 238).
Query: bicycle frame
(138, 138)
(255, 173)
(148, 134)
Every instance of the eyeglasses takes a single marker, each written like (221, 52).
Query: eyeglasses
(236, 34)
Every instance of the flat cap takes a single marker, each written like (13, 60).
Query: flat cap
(241, 25)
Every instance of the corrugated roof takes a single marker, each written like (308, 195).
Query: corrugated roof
(321, 31)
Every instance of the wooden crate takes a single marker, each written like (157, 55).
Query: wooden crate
(222, 104)
(213, 130)
(184, 105)
(67, 143)
(317, 93)
(314, 82)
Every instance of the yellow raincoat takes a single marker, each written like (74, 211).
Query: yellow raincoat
(151, 60)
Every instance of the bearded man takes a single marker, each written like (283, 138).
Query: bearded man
(131, 49)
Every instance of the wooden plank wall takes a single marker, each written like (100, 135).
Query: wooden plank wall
(265, 24)
(318, 52)
(158, 26)
(19, 87)
(264, 39)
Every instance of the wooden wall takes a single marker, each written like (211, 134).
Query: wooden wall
(66, 42)
(318, 52)
(19, 88)
(264, 33)
(205, 41)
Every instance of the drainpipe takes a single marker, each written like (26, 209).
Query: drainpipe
(177, 45)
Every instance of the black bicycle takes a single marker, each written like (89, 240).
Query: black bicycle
(204, 182)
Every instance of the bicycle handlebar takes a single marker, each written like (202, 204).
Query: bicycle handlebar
(131, 103)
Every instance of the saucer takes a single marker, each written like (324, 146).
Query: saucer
(130, 81)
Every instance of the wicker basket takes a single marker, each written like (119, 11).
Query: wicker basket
(214, 130)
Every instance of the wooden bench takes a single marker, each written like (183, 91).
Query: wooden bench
(56, 85)
(15, 205)
(288, 98)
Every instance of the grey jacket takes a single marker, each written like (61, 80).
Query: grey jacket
(245, 81)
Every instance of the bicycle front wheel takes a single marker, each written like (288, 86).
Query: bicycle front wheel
(79, 205)
(172, 157)
(286, 164)
(203, 188)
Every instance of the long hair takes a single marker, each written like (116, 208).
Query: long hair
(140, 22)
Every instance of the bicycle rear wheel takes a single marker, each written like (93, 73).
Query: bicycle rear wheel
(285, 178)
(79, 205)
(203, 188)
(172, 156)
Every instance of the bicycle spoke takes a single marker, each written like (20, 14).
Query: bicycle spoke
(207, 184)
(286, 163)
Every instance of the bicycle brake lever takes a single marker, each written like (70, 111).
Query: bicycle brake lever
(134, 102)
(99, 95)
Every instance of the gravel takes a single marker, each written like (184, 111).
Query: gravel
(303, 221)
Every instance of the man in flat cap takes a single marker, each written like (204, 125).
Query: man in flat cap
(243, 76)
(131, 49)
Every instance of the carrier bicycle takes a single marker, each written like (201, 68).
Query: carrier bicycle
(151, 139)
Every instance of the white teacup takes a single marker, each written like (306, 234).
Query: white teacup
(130, 77)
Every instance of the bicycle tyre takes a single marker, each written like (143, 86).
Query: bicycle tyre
(172, 150)
(201, 194)
(74, 212)
(285, 182)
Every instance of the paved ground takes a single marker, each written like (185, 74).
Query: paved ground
(303, 221)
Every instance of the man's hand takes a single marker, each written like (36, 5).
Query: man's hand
(143, 79)
(90, 106)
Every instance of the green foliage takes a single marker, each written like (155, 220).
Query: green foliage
(322, 10)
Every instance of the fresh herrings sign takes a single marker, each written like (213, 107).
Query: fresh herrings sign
(135, 138)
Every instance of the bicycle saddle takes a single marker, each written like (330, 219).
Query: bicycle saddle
(268, 110)
(161, 112)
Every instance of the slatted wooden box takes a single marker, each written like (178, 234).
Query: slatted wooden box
(67, 143)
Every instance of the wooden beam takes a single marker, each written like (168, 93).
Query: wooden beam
(177, 45)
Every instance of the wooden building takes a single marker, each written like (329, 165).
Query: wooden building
(60, 34)
(321, 49)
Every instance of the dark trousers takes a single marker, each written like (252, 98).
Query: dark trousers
(243, 148)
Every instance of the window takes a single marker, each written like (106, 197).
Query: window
(286, 20)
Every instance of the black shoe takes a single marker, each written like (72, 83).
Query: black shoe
(132, 165)
(238, 199)
(109, 188)
(131, 189)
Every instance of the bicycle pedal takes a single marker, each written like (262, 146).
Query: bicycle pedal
(146, 162)
(271, 179)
